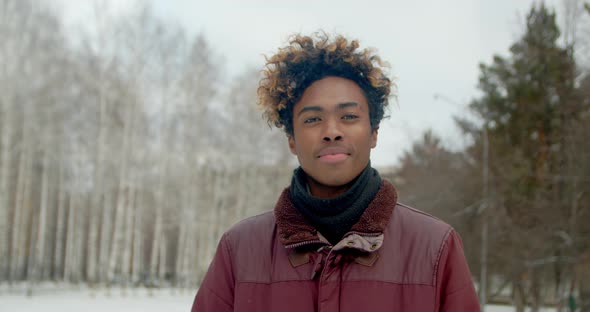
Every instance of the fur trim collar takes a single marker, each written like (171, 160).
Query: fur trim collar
(294, 229)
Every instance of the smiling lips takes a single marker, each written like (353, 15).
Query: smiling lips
(333, 154)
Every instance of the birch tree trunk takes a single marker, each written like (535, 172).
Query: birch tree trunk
(197, 207)
(162, 263)
(156, 257)
(203, 220)
(37, 257)
(69, 261)
(19, 216)
(5, 173)
(157, 236)
(216, 212)
(105, 237)
(50, 227)
(94, 219)
(58, 262)
(81, 204)
(213, 213)
(128, 244)
(7, 126)
(181, 242)
(221, 208)
(117, 233)
(98, 205)
(31, 227)
(43, 213)
(27, 216)
(192, 261)
(123, 192)
(190, 237)
(16, 220)
(185, 235)
(92, 244)
(185, 225)
(137, 239)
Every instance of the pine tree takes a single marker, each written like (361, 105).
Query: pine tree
(529, 102)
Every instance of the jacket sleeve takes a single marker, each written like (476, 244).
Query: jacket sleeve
(455, 291)
(216, 292)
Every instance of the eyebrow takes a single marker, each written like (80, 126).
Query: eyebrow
(319, 109)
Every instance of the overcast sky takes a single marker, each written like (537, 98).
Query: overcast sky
(433, 47)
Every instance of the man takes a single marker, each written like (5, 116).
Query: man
(337, 239)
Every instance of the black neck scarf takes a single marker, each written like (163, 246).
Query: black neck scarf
(334, 217)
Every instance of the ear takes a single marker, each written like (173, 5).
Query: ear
(291, 140)
(374, 133)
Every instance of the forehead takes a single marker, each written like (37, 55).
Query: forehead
(331, 91)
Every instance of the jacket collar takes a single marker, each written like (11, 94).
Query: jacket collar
(294, 230)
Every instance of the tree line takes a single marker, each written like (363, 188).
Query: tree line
(123, 155)
(519, 190)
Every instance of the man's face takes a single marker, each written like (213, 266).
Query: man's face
(332, 135)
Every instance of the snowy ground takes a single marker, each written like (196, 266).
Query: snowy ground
(70, 299)
(87, 300)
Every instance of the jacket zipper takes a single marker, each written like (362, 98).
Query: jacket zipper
(362, 234)
(316, 241)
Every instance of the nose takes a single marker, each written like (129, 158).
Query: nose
(332, 131)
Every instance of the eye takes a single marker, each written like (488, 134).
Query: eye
(311, 120)
(350, 117)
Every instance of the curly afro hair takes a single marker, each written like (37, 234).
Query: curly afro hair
(310, 58)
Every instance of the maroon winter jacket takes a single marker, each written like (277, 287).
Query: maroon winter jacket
(394, 259)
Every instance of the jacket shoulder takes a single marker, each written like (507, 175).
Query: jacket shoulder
(251, 243)
(420, 228)
(424, 222)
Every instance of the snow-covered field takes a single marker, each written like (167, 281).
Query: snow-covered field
(87, 300)
(69, 299)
